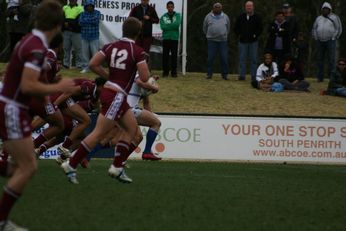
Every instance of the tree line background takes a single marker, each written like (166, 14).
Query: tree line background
(306, 11)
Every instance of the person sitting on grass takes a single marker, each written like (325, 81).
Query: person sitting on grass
(337, 82)
(266, 73)
(291, 76)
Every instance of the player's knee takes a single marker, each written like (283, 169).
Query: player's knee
(60, 125)
(31, 168)
(138, 138)
(86, 121)
(156, 126)
(28, 169)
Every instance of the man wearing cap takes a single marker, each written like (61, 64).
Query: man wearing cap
(89, 21)
(293, 26)
(326, 30)
(216, 27)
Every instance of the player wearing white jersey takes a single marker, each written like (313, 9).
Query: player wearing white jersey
(145, 117)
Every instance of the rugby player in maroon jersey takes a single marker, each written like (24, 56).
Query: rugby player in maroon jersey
(123, 59)
(21, 84)
(84, 90)
(47, 110)
(71, 106)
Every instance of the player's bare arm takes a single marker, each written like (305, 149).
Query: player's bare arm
(95, 65)
(146, 103)
(153, 87)
(30, 84)
(63, 97)
(143, 71)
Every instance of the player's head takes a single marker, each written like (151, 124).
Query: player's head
(99, 81)
(49, 16)
(56, 41)
(131, 28)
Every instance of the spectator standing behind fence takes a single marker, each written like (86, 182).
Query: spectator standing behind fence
(19, 15)
(147, 15)
(216, 27)
(337, 82)
(170, 24)
(89, 21)
(326, 30)
(301, 51)
(279, 43)
(293, 25)
(248, 28)
(291, 76)
(72, 34)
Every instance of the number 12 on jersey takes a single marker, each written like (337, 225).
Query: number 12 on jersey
(118, 59)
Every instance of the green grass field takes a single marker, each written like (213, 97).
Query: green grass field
(194, 94)
(186, 196)
(191, 195)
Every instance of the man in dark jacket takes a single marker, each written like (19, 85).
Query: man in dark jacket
(19, 17)
(248, 28)
(279, 42)
(293, 25)
(147, 15)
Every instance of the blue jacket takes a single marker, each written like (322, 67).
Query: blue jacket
(89, 22)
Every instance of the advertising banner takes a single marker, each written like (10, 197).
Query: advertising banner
(247, 139)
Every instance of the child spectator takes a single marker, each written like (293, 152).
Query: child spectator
(337, 82)
(291, 76)
(266, 73)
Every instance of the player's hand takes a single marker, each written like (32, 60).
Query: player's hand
(155, 89)
(66, 85)
(146, 17)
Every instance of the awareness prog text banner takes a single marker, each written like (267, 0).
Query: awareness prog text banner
(113, 14)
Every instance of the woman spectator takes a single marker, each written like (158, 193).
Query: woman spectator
(292, 77)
